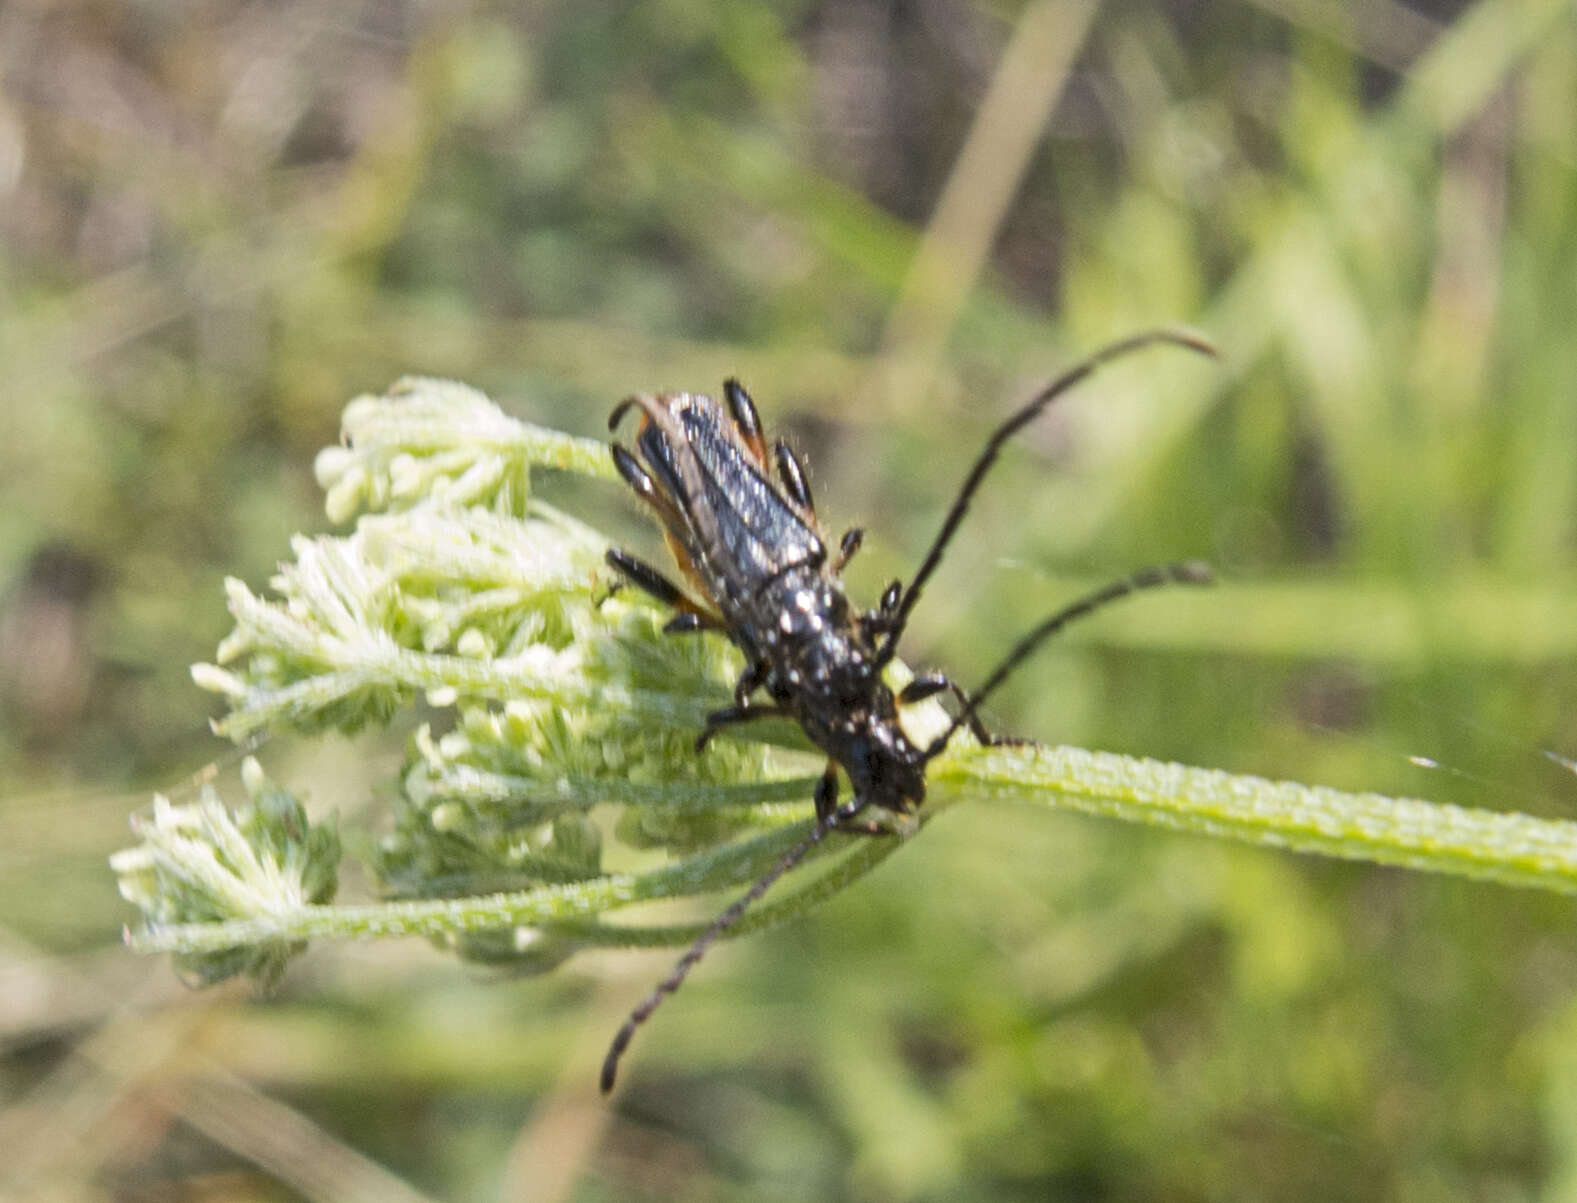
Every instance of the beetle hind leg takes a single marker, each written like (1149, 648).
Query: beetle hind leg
(646, 578)
(654, 584)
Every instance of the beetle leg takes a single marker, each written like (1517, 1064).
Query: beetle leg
(931, 684)
(879, 620)
(922, 687)
(634, 475)
(688, 622)
(827, 792)
(792, 473)
(847, 546)
(827, 807)
(646, 488)
(749, 681)
(977, 728)
(746, 420)
(731, 715)
(648, 579)
(652, 582)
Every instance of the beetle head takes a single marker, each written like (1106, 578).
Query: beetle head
(884, 767)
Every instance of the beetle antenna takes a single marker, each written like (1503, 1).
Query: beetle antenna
(731, 916)
(1191, 572)
(993, 447)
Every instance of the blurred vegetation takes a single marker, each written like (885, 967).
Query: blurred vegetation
(217, 224)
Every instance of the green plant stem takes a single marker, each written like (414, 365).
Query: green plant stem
(1516, 849)
(732, 865)
(865, 856)
(1512, 848)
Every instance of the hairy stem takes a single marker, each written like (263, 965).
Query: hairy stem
(1515, 849)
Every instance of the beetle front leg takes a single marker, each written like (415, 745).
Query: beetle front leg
(730, 716)
(879, 620)
(827, 805)
(930, 684)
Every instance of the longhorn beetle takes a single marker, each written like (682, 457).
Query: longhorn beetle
(738, 517)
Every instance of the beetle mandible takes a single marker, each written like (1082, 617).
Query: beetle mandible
(738, 517)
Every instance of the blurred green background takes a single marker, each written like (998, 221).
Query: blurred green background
(218, 222)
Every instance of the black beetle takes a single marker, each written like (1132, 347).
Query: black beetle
(740, 522)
